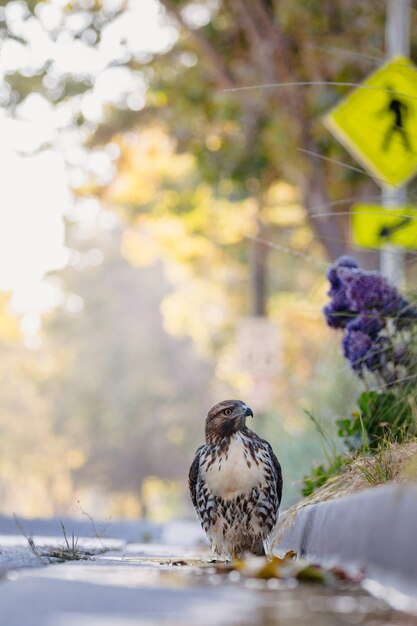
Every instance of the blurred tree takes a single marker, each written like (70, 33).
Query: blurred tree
(36, 38)
(9, 326)
(34, 476)
(125, 395)
(199, 230)
(254, 136)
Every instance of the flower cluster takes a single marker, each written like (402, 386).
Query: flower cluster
(374, 316)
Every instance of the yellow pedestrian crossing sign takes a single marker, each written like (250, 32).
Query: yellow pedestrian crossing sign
(377, 122)
(375, 226)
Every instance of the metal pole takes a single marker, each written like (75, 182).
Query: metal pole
(397, 42)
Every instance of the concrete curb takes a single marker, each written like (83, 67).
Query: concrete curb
(375, 529)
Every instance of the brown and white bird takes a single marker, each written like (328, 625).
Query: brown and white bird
(235, 483)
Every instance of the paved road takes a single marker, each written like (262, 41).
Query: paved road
(151, 584)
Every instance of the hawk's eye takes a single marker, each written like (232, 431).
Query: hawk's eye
(227, 411)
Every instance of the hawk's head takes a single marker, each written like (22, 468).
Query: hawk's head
(226, 418)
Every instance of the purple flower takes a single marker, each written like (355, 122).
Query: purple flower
(333, 276)
(370, 324)
(369, 290)
(363, 352)
(361, 303)
(356, 347)
(337, 313)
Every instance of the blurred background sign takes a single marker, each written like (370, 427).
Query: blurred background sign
(377, 121)
(259, 347)
(374, 226)
(259, 355)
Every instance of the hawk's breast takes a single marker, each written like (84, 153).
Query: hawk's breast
(235, 470)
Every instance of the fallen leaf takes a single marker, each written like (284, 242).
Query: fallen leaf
(291, 554)
(313, 574)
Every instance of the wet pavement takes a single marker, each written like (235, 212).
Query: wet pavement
(149, 584)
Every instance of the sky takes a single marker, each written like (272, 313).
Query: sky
(34, 190)
(33, 199)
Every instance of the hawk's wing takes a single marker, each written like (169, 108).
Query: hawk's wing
(278, 471)
(193, 475)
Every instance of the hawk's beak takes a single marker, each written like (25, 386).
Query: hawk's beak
(248, 412)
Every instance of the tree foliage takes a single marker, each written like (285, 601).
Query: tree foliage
(286, 56)
(37, 36)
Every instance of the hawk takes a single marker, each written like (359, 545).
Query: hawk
(235, 483)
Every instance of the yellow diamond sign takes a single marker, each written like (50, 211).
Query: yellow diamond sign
(374, 226)
(377, 122)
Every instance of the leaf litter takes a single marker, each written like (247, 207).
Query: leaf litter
(288, 567)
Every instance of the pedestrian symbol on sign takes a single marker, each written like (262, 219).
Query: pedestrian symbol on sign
(398, 110)
(377, 122)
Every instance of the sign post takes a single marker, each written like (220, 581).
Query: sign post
(397, 42)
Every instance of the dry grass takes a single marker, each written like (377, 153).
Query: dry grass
(69, 551)
(397, 462)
